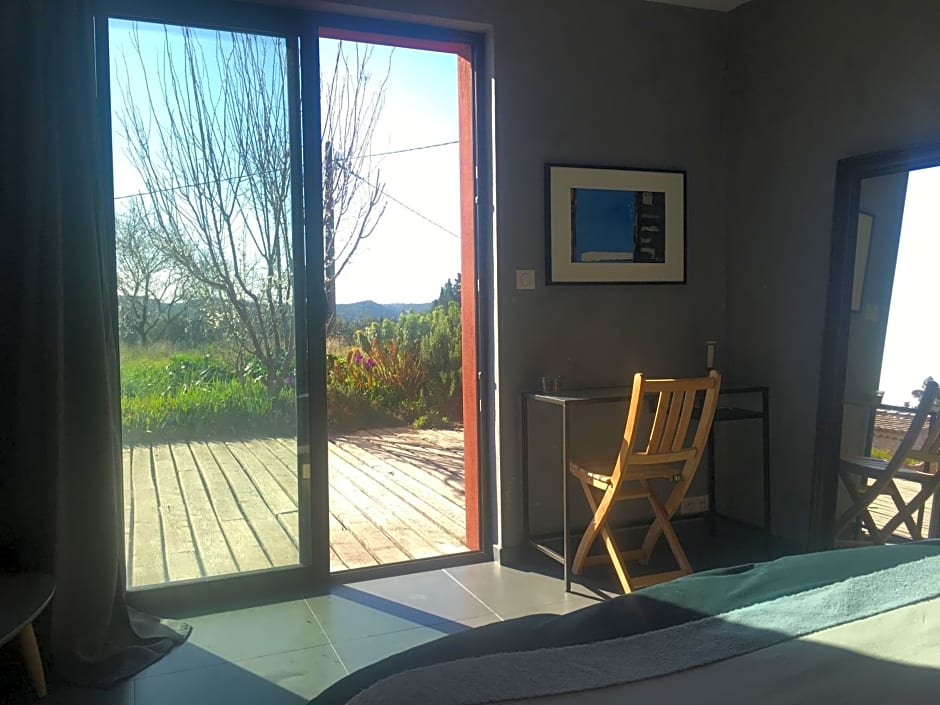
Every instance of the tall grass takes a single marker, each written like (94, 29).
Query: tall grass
(185, 396)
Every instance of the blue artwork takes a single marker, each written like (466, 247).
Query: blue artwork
(610, 225)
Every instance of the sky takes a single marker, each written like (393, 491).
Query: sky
(408, 258)
(912, 344)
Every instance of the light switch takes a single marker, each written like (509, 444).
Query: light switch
(870, 312)
(525, 278)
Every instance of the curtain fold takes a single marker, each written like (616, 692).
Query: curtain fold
(61, 497)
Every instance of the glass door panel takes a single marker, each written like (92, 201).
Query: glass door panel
(207, 254)
(393, 240)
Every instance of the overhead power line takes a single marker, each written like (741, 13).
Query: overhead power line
(342, 166)
(224, 179)
(403, 204)
(413, 149)
(248, 176)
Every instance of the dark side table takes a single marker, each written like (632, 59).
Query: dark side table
(730, 412)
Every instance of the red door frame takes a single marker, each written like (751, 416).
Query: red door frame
(468, 261)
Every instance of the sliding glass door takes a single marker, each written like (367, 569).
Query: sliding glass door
(238, 206)
(212, 315)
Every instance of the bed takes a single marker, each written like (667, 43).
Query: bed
(857, 625)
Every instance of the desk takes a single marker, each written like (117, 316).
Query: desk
(569, 399)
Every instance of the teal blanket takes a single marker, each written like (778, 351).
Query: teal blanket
(586, 667)
(660, 607)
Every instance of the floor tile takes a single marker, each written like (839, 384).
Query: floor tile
(358, 653)
(569, 603)
(184, 657)
(226, 684)
(247, 633)
(510, 591)
(382, 606)
(306, 672)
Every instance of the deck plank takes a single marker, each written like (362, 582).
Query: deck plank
(428, 462)
(178, 545)
(211, 546)
(348, 548)
(421, 495)
(275, 541)
(405, 527)
(356, 514)
(387, 536)
(277, 482)
(148, 564)
(289, 522)
(245, 548)
(417, 532)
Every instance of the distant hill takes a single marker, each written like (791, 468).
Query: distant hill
(367, 311)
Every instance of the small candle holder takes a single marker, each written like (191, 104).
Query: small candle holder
(710, 346)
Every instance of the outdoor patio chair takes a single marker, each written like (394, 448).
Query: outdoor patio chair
(669, 451)
(857, 472)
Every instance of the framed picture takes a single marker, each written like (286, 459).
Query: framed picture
(608, 225)
(862, 245)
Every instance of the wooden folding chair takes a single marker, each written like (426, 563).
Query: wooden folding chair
(666, 453)
(857, 472)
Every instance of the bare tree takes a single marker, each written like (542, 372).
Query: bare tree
(211, 142)
(353, 194)
(150, 290)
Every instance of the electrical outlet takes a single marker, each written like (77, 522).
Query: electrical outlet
(695, 505)
(525, 278)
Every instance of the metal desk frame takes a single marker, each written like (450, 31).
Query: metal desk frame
(606, 395)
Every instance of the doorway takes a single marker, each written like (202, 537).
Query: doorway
(243, 373)
(399, 233)
(877, 352)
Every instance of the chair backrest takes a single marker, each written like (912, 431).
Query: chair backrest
(929, 450)
(678, 402)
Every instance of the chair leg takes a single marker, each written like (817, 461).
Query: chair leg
(660, 511)
(877, 535)
(905, 515)
(617, 559)
(32, 659)
(669, 507)
(599, 515)
(861, 498)
(600, 527)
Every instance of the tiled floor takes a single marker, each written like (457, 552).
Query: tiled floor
(285, 654)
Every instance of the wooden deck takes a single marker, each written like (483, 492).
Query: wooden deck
(199, 509)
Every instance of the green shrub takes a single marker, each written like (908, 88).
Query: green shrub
(406, 371)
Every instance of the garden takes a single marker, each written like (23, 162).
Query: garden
(185, 384)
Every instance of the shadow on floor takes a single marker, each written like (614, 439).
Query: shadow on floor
(729, 544)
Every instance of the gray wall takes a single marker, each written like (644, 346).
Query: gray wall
(626, 83)
(809, 83)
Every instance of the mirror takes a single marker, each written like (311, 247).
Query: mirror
(881, 340)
